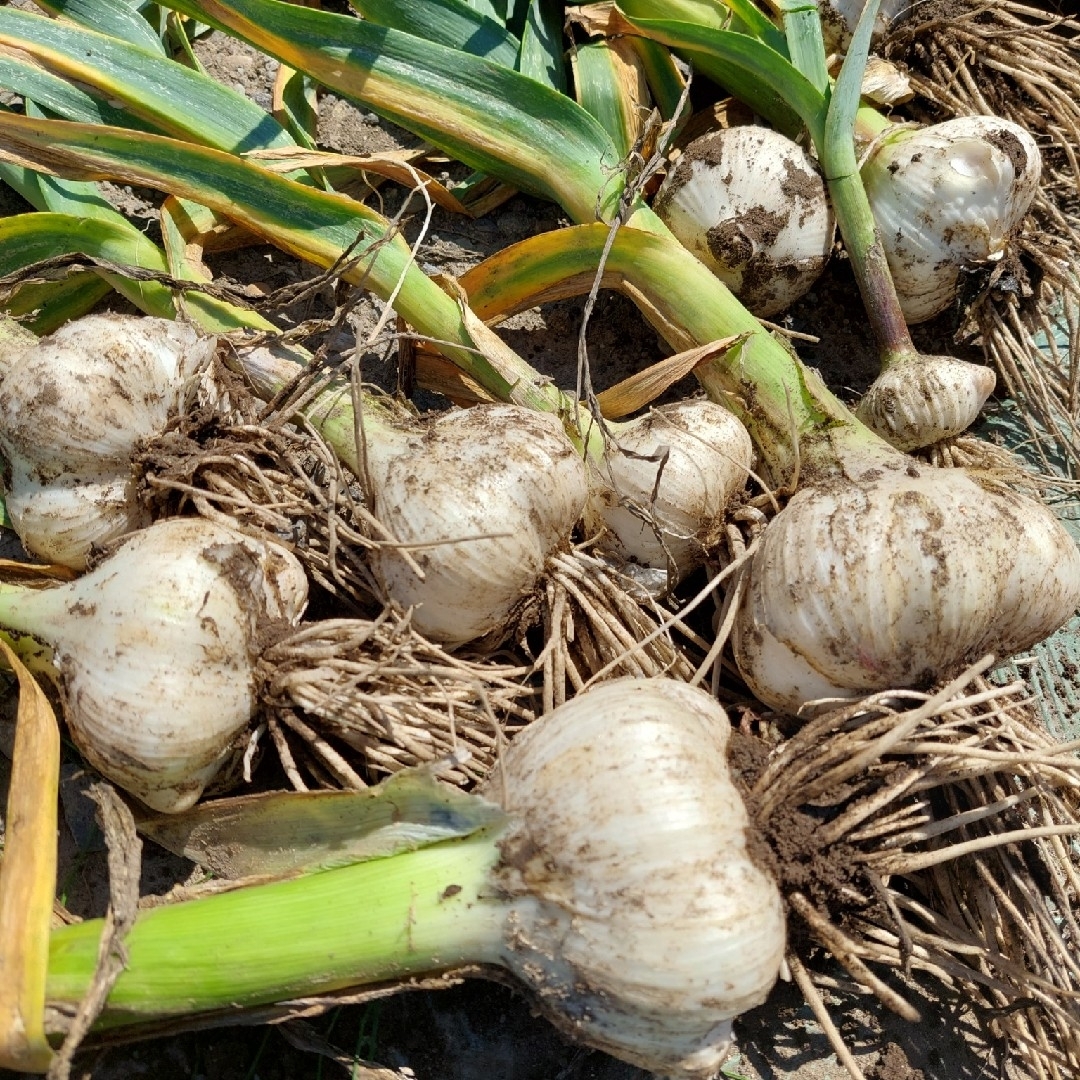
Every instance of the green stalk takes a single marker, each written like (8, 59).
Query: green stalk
(30, 610)
(411, 913)
(836, 151)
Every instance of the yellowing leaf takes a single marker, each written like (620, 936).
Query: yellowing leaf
(28, 877)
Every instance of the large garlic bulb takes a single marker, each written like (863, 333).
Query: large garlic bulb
(156, 647)
(73, 407)
(664, 482)
(751, 205)
(638, 915)
(480, 499)
(947, 198)
(899, 580)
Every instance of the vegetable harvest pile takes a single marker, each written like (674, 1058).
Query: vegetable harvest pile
(641, 693)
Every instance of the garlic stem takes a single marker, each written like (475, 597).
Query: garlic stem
(422, 911)
(620, 890)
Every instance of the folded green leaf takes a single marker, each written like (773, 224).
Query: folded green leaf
(45, 307)
(281, 833)
(163, 95)
(492, 119)
(446, 22)
(748, 68)
(121, 19)
(609, 84)
(741, 16)
(22, 76)
(29, 238)
(541, 54)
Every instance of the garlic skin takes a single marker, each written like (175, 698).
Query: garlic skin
(62, 520)
(751, 205)
(896, 581)
(947, 198)
(156, 648)
(73, 407)
(839, 17)
(920, 400)
(489, 494)
(641, 933)
(664, 483)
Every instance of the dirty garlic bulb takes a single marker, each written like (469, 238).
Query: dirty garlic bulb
(921, 399)
(479, 498)
(839, 17)
(613, 871)
(156, 649)
(638, 916)
(899, 580)
(73, 407)
(661, 488)
(946, 198)
(751, 205)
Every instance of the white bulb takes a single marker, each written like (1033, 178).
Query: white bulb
(751, 205)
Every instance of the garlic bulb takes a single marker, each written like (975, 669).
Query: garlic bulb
(920, 400)
(751, 205)
(73, 407)
(617, 884)
(899, 580)
(638, 916)
(947, 198)
(480, 498)
(662, 487)
(839, 17)
(156, 648)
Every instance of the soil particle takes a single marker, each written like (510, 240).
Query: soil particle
(893, 1065)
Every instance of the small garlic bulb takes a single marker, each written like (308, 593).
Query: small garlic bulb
(638, 915)
(157, 646)
(899, 580)
(920, 400)
(751, 205)
(664, 483)
(73, 407)
(839, 18)
(481, 498)
(947, 198)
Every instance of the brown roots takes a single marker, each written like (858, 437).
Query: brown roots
(378, 688)
(1020, 62)
(935, 835)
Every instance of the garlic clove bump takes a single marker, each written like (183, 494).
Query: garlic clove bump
(946, 198)
(664, 482)
(480, 498)
(900, 580)
(920, 400)
(156, 648)
(751, 205)
(73, 407)
(642, 931)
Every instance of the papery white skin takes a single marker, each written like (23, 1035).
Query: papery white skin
(751, 205)
(923, 399)
(899, 580)
(839, 17)
(701, 455)
(156, 647)
(487, 494)
(73, 407)
(62, 520)
(638, 916)
(947, 198)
